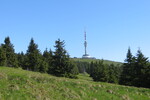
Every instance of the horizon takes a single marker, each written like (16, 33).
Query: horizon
(111, 26)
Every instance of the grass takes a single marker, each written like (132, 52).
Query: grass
(18, 84)
(94, 60)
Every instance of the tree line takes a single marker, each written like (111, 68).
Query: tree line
(135, 71)
(56, 62)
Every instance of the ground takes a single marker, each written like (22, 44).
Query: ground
(18, 84)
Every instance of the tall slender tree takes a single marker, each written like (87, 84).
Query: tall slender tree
(136, 70)
(114, 73)
(48, 56)
(100, 72)
(21, 59)
(141, 71)
(127, 71)
(10, 53)
(61, 65)
(33, 57)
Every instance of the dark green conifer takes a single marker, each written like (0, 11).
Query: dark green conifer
(2, 57)
(10, 53)
(61, 65)
(126, 75)
(43, 65)
(141, 71)
(48, 56)
(21, 60)
(114, 73)
(100, 72)
(33, 57)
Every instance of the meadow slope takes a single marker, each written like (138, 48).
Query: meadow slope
(94, 60)
(18, 84)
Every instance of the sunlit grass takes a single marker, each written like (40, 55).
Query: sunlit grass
(94, 60)
(18, 84)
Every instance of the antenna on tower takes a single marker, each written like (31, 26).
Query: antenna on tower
(85, 42)
(85, 33)
(86, 56)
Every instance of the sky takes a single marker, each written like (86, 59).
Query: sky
(111, 26)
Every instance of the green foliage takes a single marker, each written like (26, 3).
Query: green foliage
(128, 68)
(96, 60)
(43, 65)
(48, 57)
(136, 70)
(21, 59)
(87, 65)
(100, 72)
(18, 84)
(10, 54)
(104, 72)
(33, 57)
(2, 57)
(141, 67)
(83, 66)
(72, 70)
(61, 64)
(114, 72)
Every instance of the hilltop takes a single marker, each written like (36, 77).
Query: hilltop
(18, 84)
(94, 60)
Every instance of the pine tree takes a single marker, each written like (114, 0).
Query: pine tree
(127, 73)
(96, 72)
(103, 72)
(43, 65)
(21, 59)
(61, 65)
(72, 70)
(2, 57)
(129, 58)
(114, 73)
(48, 56)
(91, 69)
(33, 57)
(10, 54)
(100, 72)
(141, 71)
(136, 71)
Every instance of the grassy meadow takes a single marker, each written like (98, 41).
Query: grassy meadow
(94, 60)
(18, 84)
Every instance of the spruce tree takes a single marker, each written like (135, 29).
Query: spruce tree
(100, 72)
(114, 73)
(21, 60)
(103, 72)
(96, 72)
(33, 57)
(48, 56)
(10, 53)
(136, 71)
(2, 57)
(91, 69)
(127, 71)
(43, 65)
(61, 65)
(141, 71)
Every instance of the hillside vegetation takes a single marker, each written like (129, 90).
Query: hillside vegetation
(94, 60)
(18, 84)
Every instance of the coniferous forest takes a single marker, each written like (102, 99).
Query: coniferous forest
(135, 71)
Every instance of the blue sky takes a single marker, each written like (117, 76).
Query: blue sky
(111, 25)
